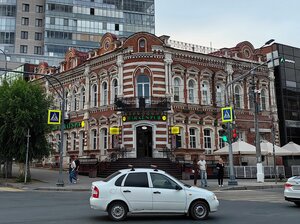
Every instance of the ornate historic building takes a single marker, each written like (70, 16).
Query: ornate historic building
(144, 87)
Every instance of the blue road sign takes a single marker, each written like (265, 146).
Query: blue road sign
(227, 115)
(54, 116)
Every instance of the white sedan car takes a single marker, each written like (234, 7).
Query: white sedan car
(143, 190)
(292, 190)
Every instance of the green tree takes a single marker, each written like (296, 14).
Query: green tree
(23, 106)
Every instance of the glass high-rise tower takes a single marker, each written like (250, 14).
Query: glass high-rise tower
(32, 31)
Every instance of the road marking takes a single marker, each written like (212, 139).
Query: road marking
(9, 189)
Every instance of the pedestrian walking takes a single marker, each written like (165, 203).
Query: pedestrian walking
(72, 173)
(196, 171)
(220, 169)
(77, 163)
(203, 167)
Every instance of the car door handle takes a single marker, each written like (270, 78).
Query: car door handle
(156, 192)
(127, 191)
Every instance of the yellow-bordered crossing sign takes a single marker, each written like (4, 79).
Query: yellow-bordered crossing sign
(227, 115)
(54, 116)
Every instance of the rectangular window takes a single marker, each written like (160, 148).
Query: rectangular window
(178, 141)
(23, 49)
(39, 9)
(207, 139)
(37, 50)
(24, 35)
(221, 143)
(38, 36)
(52, 20)
(192, 138)
(38, 22)
(92, 11)
(66, 22)
(25, 7)
(25, 21)
(117, 27)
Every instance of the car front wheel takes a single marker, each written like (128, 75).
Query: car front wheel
(117, 211)
(199, 210)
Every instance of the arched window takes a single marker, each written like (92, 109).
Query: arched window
(263, 99)
(193, 138)
(208, 141)
(93, 139)
(82, 98)
(103, 138)
(220, 95)
(176, 89)
(94, 95)
(104, 94)
(81, 142)
(191, 86)
(74, 103)
(238, 97)
(115, 90)
(142, 45)
(205, 93)
(250, 98)
(73, 141)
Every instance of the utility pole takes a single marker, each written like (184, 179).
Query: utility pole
(274, 155)
(26, 161)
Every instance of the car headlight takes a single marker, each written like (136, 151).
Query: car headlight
(214, 197)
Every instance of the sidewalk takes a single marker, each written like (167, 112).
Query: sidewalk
(46, 179)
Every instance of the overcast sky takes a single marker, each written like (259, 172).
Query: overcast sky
(225, 23)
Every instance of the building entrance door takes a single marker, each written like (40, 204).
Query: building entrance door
(144, 141)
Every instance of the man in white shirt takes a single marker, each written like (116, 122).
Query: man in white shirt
(202, 167)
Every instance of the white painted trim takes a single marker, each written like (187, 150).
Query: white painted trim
(143, 63)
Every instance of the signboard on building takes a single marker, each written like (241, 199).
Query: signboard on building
(114, 130)
(70, 125)
(128, 118)
(175, 130)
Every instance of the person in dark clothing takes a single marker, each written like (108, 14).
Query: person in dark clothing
(196, 171)
(220, 169)
(77, 163)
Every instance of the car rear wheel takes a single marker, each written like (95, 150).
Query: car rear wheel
(117, 211)
(199, 210)
(297, 203)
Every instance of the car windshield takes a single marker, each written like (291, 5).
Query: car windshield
(111, 176)
(186, 185)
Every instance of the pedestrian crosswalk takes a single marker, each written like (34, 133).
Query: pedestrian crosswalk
(9, 189)
(251, 195)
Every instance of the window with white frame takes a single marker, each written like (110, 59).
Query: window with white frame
(179, 139)
(221, 142)
(57, 138)
(205, 93)
(73, 140)
(143, 86)
(104, 94)
(94, 139)
(94, 95)
(103, 138)
(219, 95)
(193, 138)
(82, 98)
(263, 99)
(177, 89)
(115, 90)
(67, 104)
(81, 141)
(238, 96)
(191, 87)
(250, 98)
(207, 139)
(74, 103)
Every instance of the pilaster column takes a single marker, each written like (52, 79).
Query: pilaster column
(120, 64)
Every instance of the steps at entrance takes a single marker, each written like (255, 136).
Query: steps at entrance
(161, 163)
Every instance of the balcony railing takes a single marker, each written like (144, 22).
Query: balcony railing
(142, 103)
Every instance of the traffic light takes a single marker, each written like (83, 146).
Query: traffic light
(234, 135)
(223, 133)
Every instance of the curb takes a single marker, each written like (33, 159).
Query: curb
(60, 189)
(253, 187)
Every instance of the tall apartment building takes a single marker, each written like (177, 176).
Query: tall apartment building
(32, 31)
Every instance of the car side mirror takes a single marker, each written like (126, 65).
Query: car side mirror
(178, 188)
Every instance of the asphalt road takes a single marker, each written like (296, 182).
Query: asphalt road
(240, 207)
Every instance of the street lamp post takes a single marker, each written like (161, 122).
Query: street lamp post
(232, 180)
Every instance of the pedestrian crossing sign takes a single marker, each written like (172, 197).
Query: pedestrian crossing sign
(227, 115)
(54, 117)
